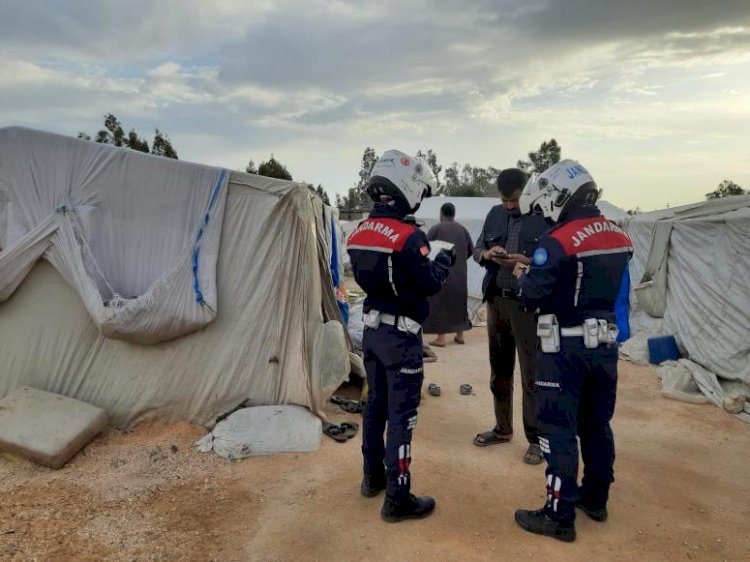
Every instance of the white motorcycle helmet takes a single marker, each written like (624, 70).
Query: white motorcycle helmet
(401, 177)
(561, 186)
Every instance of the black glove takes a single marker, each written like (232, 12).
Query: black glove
(446, 258)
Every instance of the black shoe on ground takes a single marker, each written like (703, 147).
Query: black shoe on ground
(540, 523)
(372, 485)
(412, 507)
(597, 514)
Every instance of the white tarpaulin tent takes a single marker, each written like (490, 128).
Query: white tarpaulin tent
(471, 212)
(159, 288)
(690, 275)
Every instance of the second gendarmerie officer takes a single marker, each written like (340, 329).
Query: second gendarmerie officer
(574, 280)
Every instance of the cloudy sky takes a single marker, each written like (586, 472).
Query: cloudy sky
(653, 96)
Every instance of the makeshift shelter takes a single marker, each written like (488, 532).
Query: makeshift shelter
(690, 276)
(471, 212)
(157, 288)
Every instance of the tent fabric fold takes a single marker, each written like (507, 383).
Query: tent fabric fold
(161, 289)
(130, 250)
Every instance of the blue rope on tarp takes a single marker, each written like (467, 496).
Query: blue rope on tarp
(197, 249)
(334, 255)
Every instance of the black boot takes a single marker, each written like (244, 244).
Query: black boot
(412, 507)
(596, 513)
(542, 524)
(372, 485)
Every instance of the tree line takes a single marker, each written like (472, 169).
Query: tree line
(455, 180)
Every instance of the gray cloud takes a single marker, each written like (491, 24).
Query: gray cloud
(582, 19)
(260, 76)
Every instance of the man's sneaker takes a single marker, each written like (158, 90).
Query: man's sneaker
(372, 485)
(597, 514)
(542, 524)
(412, 507)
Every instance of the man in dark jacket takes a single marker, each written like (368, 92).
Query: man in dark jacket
(390, 261)
(508, 238)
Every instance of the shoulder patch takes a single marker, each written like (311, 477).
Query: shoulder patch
(425, 250)
(540, 256)
(591, 236)
(381, 235)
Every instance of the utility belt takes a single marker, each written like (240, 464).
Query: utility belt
(375, 318)
(594, 332)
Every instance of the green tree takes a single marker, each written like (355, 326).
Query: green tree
(548, 154)
(431, 159)
(352, 202)
(358, 199)
(114, 134)
(467, 191)
(470, 181)
(137, 143)
(322, 194)
(726, 188)
(452, 180)
(274, 169)
(161, 146)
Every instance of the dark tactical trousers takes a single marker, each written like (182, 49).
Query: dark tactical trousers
(393, 361)
(576, 392)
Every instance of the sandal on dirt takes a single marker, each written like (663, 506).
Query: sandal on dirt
(335, 432)
(465, 389)
(533, 454)
(433, 389)
(350, 429)
(429, 359)
(491, 438)
(353, 407)
(436, 343)
(458, 341)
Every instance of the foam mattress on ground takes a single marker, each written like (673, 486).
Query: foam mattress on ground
(47, 428)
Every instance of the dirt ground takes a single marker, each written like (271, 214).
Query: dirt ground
(682, 490)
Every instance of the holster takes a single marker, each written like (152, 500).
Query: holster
(548, 331)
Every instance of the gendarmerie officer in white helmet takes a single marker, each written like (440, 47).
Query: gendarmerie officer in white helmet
(390, 262)
(573, 281)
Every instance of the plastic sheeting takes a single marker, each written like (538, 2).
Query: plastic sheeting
(136, 237)
(687, 381)
(264, 430)
(698, 258)
(275, 337)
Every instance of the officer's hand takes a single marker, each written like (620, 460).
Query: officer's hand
(446, 257)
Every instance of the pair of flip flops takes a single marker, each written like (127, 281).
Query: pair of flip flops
(340, 433)
(349, 406)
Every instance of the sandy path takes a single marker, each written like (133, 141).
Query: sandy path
(682, 491)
